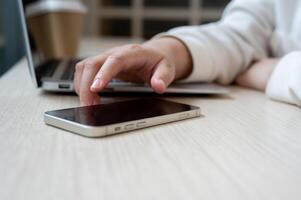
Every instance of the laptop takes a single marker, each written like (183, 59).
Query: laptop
(56, 75)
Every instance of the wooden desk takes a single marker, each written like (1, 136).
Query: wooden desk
(245, 147)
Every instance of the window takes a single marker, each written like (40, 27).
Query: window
(145, 18)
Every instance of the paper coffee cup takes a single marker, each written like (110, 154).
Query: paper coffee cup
(55, 26)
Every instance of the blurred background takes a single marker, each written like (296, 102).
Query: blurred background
(114, 18)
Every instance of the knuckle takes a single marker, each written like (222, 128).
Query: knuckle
(79, 66)
(118, 59)
(134, 47)
(90, 64)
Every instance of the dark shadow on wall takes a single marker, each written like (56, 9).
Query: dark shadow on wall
(13, 48)
(1, 37)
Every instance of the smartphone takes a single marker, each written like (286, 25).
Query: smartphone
(107, 119)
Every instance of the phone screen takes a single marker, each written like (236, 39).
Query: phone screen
(106, 114)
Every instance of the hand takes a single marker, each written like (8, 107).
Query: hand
(157, 62)
(258, 75)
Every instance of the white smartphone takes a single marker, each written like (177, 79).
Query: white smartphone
(107, 119)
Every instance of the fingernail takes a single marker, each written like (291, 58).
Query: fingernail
(96, 84)
(162, 82)
(161, 86)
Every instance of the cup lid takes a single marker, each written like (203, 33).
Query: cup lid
(46, 6)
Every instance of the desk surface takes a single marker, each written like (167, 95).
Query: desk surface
(245, 147)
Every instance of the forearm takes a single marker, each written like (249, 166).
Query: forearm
(220, 51)
(258, 75)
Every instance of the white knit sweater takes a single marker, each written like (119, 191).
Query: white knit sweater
(249, 30)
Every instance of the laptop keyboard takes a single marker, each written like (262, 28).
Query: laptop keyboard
(69, 71)
(48, 68)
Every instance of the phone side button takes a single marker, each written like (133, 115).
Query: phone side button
(129, 127)
(117, 129)
(141, 124)
(114, 129)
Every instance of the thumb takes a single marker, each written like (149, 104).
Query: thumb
(162, 77)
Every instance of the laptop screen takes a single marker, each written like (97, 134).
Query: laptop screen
(34, 56)
(52, 32)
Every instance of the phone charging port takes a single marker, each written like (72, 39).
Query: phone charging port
(64, 86)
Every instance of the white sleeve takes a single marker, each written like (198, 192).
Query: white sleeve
(285, 82)
(222, 50)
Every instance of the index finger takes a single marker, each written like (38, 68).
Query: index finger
(130, 57)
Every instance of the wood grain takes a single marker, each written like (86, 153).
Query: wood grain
(245, 147)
